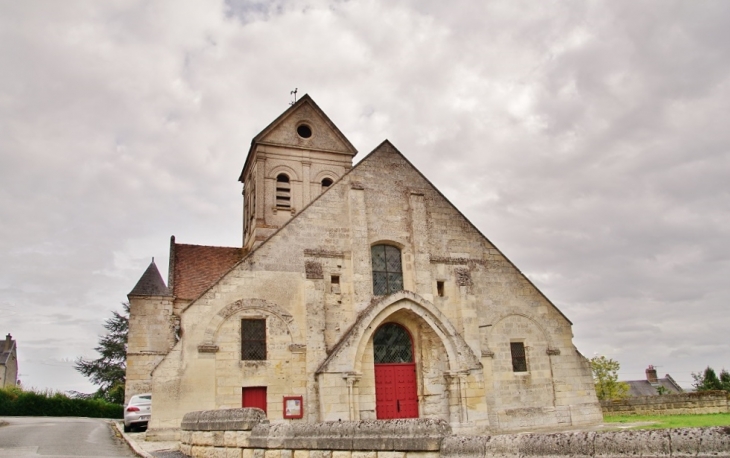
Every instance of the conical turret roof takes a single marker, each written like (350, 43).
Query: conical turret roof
(151, 283)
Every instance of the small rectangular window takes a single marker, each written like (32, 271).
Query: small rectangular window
(519, 361)
(253, 339)
(335, 279)
(440, 288)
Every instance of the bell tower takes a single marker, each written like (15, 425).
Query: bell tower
(291, 162)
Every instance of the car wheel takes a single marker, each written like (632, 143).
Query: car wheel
(127, 428)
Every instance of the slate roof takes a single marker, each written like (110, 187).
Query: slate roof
(195, 268)
(645, 388)
(150, 284)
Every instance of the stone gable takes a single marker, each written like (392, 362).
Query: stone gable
(310, 283)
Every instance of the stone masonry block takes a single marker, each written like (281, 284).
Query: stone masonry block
(626, 443)
(320, 454)
(186, 449)
(234, 453)
(685, 441)
(464, 446)
(199, 451)
(383, 454)
(229, 438)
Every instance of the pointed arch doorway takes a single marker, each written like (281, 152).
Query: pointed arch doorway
(396, 391)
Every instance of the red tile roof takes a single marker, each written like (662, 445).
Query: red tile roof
(197, 267)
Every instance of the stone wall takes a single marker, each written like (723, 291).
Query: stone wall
(669, 404)
(245, 433)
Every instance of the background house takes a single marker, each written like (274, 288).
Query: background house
(8, 362)
(651, 386)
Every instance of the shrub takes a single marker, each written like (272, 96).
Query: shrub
(17, 402)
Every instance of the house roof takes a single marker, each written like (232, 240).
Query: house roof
(195, 268)
(151, 283)
(645, 388)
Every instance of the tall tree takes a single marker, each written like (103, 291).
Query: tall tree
(605, 375)
(708, 380)
(109, 370)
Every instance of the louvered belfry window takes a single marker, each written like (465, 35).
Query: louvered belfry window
(519, 360)
(392, 344)
(387, 270)
(253, 339)
(283, 191)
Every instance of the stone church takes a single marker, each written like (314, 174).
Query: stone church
(359, 292)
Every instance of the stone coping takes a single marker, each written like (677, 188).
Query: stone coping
(223, 420)
(417, 434)
(423, 434)
(435, 437)
(684, 442)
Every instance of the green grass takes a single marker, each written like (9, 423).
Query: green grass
(672, 421)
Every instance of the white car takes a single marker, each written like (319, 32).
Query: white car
(137, 412)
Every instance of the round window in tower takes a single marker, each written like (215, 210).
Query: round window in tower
(304, 131)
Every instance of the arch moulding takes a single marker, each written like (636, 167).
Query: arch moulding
(347, 354)
(285, 169)
(547, 335)
(241, 305)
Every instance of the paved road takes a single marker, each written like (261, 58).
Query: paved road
(60, 437)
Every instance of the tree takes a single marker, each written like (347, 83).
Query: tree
(708, 380)
(605, 375)
(725, 380)
(108, 371)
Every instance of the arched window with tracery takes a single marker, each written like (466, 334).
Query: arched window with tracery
(283, 191)
(387, 269)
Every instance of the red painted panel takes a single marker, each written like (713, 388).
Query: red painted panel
(254, 396)
(396, 393)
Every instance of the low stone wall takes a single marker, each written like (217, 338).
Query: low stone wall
(669, 404)
(248, 434)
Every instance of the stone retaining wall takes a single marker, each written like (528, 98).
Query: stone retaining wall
(248, 434)
(669, 404)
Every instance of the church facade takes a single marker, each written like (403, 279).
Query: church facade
(358, 293)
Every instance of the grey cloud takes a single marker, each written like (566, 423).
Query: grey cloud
(587, 140)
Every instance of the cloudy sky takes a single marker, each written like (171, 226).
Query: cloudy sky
(588, 140)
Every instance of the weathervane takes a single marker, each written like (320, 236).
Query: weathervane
(295, 96)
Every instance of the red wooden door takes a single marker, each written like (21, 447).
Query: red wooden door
(254, 396)
(396, 395)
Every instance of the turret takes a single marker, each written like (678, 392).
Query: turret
(152, 329)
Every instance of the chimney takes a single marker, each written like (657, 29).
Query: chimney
(8, 342)
(651, 375)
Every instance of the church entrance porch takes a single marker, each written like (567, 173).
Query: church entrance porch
(396, 389)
